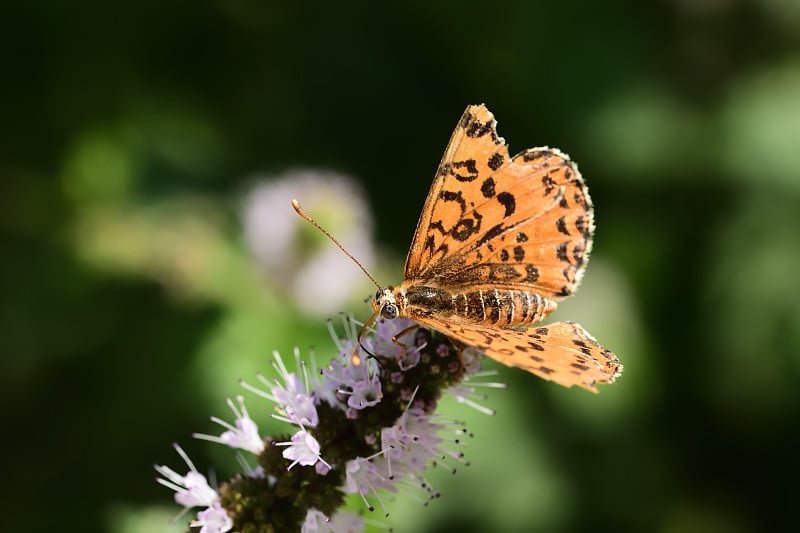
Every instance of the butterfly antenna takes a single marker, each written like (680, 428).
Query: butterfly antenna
(303, 214)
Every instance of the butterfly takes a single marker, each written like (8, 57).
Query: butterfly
(499, 242)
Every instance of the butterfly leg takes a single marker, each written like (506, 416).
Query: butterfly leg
(403, 347)
(459, 346)
(355, 359)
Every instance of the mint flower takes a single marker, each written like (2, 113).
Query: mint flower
(244, 435)
(193, 490)
(364, 428)
(213, 520)
(365, 393)
(303, 449)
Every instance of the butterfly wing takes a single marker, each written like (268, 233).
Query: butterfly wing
(474, 151)
(562, 352)
(522, 223)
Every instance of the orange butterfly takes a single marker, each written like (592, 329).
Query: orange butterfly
(500, 240)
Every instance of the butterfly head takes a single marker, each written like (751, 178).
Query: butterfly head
(387, 302)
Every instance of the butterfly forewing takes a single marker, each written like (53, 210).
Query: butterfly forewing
(523, 223)
(447, 220)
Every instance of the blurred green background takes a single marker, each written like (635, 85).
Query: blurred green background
(146, 144)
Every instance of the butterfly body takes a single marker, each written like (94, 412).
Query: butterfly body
(500, 240)
(490, 306)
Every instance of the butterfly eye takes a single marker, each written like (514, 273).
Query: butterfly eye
(389, 311)
(378, 294)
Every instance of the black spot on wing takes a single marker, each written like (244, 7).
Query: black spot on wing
(476, 128)
(561, 252)
(508, 201)
(503, 273)
(464, 229)
(561, 225)
(531, 273)
(530, 155)
(496, 161)
(493, 232)
(454, 196)
(549, 184)
(487, 188)
(469, 166)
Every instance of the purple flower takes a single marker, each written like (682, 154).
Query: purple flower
(244, 435)
(366, 393)
(294, 402)
(213, 520)
(193, 490)
(303, 449)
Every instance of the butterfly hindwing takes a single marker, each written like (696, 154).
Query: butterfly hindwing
(562, 352)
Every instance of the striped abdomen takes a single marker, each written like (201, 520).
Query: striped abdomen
(498, 307)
